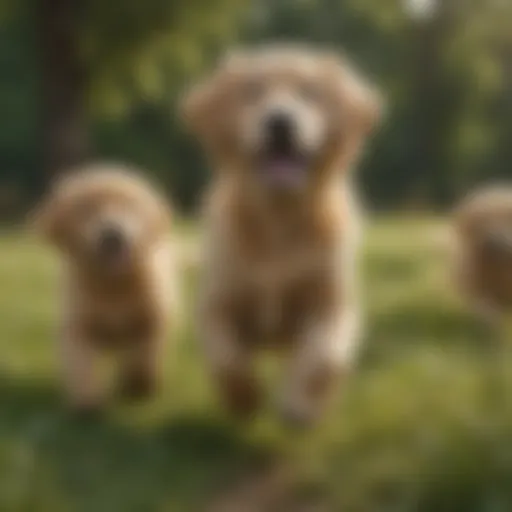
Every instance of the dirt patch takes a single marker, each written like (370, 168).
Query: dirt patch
(272, 488)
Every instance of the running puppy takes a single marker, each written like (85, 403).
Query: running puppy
(113, 234)
(483, 257)
(283, 127)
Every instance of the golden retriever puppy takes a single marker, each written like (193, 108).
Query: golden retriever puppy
(113, 233)
(283, 127)
(483, 255)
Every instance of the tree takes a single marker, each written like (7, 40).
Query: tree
(64, 82)
(101, 54)
(446, 76)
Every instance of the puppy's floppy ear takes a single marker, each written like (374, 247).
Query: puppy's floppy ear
(201, 107)
(196, 105)
(46, 219)
(359, 99)
(158, 212)
(478, 208)
(164, 217)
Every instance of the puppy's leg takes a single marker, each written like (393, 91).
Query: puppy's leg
(142, 368)
(326, 350)
(82, 389)
(230, 363)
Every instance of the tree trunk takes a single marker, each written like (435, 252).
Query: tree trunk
(63, 122)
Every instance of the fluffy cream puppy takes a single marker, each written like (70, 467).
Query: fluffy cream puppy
(283, 127)
(483, 250)
(112, 231)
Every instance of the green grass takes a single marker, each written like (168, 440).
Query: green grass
(425, 424)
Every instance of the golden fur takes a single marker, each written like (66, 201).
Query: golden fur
(483, 257)
(124, 304)
(279, 265)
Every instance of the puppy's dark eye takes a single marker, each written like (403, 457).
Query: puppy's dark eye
(252, 90)
(309, 91)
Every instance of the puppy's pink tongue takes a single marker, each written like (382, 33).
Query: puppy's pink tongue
(284, 171)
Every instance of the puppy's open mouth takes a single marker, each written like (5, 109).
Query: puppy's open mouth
(287, 169)
(118, 259)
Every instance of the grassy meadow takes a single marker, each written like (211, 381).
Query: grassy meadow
(425, 424)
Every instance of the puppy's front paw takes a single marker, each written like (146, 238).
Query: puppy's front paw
(304, 402)
(138, 386)
(240, 394)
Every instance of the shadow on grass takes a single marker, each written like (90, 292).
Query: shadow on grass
(423, 322)
(110, 464)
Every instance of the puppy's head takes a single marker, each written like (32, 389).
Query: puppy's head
(283, 115)
(104, 217)
(485, 221)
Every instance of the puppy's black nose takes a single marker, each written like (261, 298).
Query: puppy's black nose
(279, 128)
(111, 241)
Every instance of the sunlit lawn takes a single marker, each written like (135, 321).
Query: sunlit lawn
(425, 424)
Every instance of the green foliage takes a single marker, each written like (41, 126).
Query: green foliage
(146, 48)
(18, 104)
(446, 77)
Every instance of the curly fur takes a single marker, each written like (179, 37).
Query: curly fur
(281, 271)
(124, 308)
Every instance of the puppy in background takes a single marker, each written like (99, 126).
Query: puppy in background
(483, 255)
(112, 231)
(283, 127)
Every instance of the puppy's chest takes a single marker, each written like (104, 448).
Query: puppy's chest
(274, 312)
(276, 268)
(118, 323)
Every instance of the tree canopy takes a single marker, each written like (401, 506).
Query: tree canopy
(447, 77)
